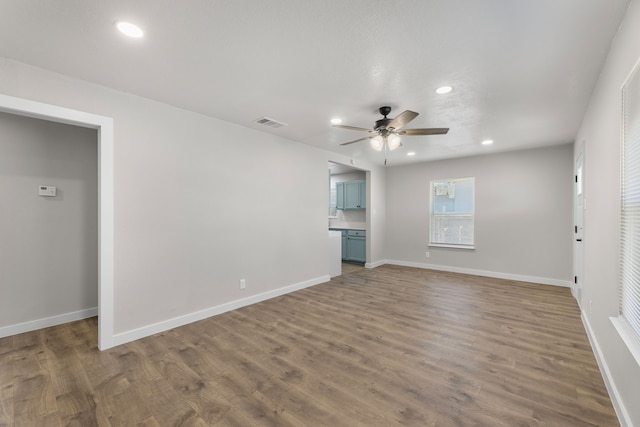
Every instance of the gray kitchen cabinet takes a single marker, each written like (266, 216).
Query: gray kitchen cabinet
(356, 246)
(339, 196)
(353, 245)
(351, 195)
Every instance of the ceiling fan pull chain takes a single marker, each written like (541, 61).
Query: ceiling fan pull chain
(385, 152)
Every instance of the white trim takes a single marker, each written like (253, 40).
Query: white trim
(614, 395)
(165, 325)
(628, 335)
(451, 246)
(46, 322)
(578, 245)
(494, 274)
(375, 264)
(104, 126)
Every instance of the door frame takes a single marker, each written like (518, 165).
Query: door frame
(104, 127)
(578, 218)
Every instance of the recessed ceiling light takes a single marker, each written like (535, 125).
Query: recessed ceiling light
(487, 142)
(411, 153)
(444, 89)
(129, 29)
(336, 121)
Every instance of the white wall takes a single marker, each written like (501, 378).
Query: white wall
(600, 133)
(523, 215)
(199, 204)
(376, 217)
(49, 245)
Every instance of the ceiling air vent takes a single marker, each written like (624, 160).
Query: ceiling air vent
(270, 122)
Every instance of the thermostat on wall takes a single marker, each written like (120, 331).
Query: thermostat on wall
(47, 190)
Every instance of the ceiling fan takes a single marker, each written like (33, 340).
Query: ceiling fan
(387, 131)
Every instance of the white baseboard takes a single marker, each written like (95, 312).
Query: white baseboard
(165, 325)
(375, 264)
(46, 322)
(618, 405)
(484, 273)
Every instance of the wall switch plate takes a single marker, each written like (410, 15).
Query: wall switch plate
(243, 283)
(47, 191)
(427, 254)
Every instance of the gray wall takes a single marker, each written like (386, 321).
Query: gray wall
(600, 134)
(48, 245)
(200, 203)
(523, 214)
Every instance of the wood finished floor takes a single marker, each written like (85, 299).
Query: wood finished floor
(373, 347)
(347, 267)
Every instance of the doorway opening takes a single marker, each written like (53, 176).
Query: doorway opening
(349, 211)
(104, 128)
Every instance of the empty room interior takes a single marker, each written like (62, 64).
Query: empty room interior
(336, 213)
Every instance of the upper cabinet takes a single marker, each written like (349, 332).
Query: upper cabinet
(351, 195)
(339, 196)
(362, 189)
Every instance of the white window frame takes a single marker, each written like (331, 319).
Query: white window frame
(627, 323)
(433, 215)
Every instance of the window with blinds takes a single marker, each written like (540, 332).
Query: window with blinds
(629, 319)
(452, 213)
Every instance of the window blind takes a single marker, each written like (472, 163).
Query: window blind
(630, 206)
(452, 213)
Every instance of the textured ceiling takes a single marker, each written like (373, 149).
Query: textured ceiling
(522, 71)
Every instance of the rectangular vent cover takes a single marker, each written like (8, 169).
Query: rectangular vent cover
(270, 122)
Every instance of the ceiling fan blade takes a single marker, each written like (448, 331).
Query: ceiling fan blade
(404, 118)
(357, 140)
(428, 131)
(352, 128)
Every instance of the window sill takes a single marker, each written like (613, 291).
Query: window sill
(628, 335)
(450, 246)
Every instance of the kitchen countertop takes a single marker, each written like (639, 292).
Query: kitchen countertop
(346, 228)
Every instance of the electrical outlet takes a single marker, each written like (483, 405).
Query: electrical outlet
(427, 254)
(243, 283)
(590, 306)
(47, 190)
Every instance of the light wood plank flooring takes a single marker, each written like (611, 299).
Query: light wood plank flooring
(373, 347)
(347, 267)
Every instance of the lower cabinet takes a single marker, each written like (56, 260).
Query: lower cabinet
(354, 243)
(356, 249)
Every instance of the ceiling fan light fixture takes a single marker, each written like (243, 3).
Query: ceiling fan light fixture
(377, 143)
(394, 142)
(386, 132)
